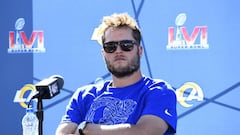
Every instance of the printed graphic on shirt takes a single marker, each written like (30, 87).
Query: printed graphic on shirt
(114, 110)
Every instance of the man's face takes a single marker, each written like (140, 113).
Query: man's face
(122, 63)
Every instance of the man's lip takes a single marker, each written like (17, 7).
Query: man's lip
(119, 58)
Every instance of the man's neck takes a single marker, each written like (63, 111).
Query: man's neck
(127, 80)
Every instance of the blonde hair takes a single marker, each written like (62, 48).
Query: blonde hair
(118, 20)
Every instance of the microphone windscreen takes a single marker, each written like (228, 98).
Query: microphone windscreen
(60, 80)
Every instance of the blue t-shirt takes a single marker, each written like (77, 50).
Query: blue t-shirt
(102, 104)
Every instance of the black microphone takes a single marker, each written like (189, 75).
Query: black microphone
(50, 87)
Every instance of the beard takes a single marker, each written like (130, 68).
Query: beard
(128, 70)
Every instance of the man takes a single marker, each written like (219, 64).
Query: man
(130, 104)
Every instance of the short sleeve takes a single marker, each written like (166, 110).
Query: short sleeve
(162, 103)
(74, 109)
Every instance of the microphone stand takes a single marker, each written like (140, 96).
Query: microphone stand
(40, 115)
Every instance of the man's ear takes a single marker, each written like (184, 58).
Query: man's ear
(140, 48)
(103, 53)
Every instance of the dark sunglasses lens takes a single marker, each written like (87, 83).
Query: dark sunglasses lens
(110, 47)
(126, 45)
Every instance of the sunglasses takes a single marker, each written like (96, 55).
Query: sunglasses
(125, 45)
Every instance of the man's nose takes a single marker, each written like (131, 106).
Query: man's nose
(119, 49)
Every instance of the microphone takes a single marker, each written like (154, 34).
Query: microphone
(50, 87)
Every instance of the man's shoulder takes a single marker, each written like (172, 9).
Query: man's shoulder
(93, 87)
(160, 87)
(157, 83)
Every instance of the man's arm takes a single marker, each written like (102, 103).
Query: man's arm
(68, 128)
(147, 125)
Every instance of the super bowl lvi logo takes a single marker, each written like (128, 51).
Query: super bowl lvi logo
(179, 37)
(19, 42)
